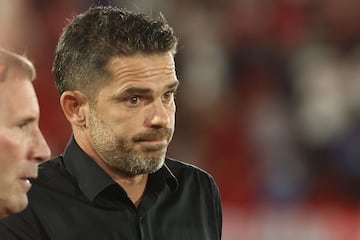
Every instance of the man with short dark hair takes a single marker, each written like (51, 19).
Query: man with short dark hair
(115, 73)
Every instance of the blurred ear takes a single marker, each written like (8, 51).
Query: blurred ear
(74, 105)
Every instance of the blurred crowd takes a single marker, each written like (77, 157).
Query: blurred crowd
(269, 101)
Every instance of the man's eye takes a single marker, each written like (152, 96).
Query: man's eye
(23, 124)
(134, 100)
(169, 95)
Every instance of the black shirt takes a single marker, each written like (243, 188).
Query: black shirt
(74, 199)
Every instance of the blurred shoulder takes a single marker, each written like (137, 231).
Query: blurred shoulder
(50, 168)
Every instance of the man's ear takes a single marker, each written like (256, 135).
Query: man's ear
(74, 105)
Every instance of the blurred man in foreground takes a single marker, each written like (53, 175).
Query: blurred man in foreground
(22, 145)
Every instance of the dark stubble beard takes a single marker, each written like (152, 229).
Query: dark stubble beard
(120, 154)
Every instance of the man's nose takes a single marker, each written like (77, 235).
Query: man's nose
(41, 151)
(159, 115)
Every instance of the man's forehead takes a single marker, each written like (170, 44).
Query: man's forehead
(139, 61)
(151, 87)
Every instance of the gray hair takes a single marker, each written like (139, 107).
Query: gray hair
(10, 59)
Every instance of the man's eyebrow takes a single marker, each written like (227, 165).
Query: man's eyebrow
(144, 91)
(173, 85)
(27, 120)
(136, 90)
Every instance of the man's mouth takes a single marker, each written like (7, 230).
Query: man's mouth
(26, 182)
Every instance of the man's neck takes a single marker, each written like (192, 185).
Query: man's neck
(134, 185)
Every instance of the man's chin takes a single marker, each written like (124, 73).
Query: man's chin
(139, 170)
(6, 211)
(14, 207)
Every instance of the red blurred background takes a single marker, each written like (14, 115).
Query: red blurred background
(269, 104)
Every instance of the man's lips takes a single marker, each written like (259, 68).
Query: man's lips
(152, 145)
(161, 135)
(25, 181)
(152, 142)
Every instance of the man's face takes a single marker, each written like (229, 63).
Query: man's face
(22, 145)
(132, 122)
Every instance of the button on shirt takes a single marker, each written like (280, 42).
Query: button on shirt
(74, 199)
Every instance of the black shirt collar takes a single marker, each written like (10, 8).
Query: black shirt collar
(92, 179)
